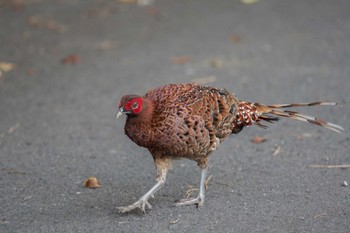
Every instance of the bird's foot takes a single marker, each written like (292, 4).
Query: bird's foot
(141, 204)
(199, 201)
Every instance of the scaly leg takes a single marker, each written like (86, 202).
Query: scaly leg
(199, 200)
(143, 201)
(162, 166)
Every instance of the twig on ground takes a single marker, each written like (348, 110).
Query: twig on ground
(207, 181)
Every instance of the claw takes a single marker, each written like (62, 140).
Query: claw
(141, 204)
(199, 201)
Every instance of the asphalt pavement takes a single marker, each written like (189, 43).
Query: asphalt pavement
(65, 64)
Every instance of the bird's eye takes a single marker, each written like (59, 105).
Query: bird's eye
(135, 105)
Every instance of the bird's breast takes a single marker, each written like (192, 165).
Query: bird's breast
(139, 134)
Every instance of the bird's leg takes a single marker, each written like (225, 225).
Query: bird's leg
(143, 201)
(199, 200)
(162, 169)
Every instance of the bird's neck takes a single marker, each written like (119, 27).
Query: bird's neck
(138, 128)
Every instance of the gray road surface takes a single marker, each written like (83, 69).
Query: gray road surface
(57, 123)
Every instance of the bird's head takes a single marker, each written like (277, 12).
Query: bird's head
(130, 105)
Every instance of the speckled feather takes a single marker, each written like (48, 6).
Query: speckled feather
(189, 120)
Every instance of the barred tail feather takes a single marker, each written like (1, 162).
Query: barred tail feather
(307, 118)
(302, 104)
(267, 110)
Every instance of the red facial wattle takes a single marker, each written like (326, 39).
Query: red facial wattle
(134, 105)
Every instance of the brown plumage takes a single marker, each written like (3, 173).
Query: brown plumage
(190, 121)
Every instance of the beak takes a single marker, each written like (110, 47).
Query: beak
(119, 113)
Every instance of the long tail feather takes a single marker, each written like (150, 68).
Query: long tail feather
(309, 119)
(302, 104)
(269, 112)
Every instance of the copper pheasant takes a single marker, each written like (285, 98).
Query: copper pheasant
(190, 121)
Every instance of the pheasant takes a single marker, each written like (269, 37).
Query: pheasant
(190, 121)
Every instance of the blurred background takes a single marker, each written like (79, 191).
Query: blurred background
(64, 64)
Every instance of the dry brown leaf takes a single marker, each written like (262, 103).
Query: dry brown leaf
(92, 183)
(71, 59)
(31, 72)
(42, 22)
(249, 1)
(128, 1)
(103, 12)
(17, 5)
(217, 63)
(235, 38)
(6, 66)
(12, 129)
(145, 2)
(181, 60)
(154, 11)
(258, 140)
(303, 136)
(106, 45)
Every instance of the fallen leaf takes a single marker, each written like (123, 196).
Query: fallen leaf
(217, 63)
(249, 1)
(102, 12)
(106, 45)
(6, 66)
(145, 2)
(38, 21)
(92, 183)
(31, 72)
(303, 136)
(154, 11)
(181, 60)
(71, 59)
(128, 1)
(258, 140)
(17, 5)
(235, 38)
(12, 129)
